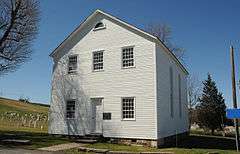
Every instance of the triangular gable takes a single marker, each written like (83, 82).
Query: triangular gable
(139, 31)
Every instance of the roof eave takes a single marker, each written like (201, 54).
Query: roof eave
(173, 56)
(72, 33)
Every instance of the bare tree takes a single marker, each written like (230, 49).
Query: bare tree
(163, 32)
(193, 92)
(18, 28)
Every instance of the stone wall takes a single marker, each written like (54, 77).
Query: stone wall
(171, 140)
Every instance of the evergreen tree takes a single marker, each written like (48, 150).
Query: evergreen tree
(211, 109)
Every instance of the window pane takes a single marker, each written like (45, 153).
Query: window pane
(72, 64)
(128, 108)
(98, 60)
(127, 57)
(70, 109)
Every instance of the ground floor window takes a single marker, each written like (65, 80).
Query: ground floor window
(128, 108)
(70, 109)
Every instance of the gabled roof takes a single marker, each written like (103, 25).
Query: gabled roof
(150, 36)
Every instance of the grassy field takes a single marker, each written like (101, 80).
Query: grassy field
(16, 115)
(38, 140)
(194, 144)
(27, 121)
(20, 120)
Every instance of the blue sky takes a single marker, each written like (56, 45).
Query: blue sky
(204, 28)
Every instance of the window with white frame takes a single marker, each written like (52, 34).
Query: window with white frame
(70, 109)
(97, 60)
(127, 57)
(72, 64)
(128, 108)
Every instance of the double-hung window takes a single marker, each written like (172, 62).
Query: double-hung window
(127, 57)
(72, 64)
(97, 60)
(70, 109)
(128, 108)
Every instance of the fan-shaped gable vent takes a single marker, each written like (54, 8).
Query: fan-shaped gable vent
(99, 25)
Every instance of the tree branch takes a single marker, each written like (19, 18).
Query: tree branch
(18, 28)
(13, 15)
(5, 57)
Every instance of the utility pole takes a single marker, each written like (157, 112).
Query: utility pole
(234, 94)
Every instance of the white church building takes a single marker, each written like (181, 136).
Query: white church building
(113, 79)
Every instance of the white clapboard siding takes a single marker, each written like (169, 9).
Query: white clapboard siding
(114, 82)
(168, 125)
(148, 82)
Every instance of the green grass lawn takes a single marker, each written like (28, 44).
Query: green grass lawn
(194, 144)
(115, 147)
(38, 140)
(14, 105)
(16, 115)
(21, 124)
(9, 127)
(180, 150)
(13, 127)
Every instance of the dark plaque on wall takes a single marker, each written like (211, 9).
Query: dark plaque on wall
(106, 116)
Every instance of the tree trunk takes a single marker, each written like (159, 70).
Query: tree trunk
(190, 120)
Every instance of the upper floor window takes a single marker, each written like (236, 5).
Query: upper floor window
(72, 64)
(97, 60)
(99, 25)
(70, 109)
(128, 108)
(127, 57)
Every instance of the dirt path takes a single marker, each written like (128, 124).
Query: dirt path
(61, 147)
